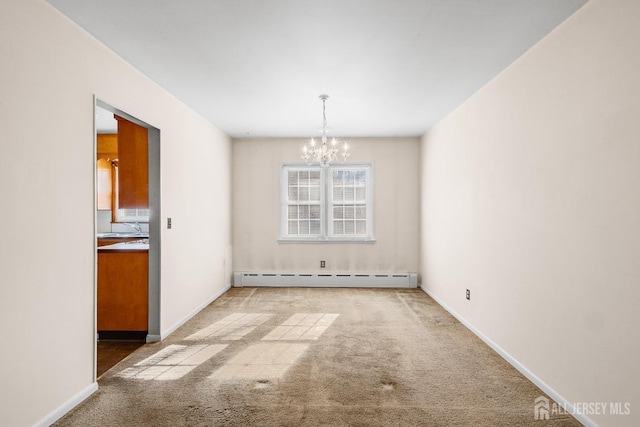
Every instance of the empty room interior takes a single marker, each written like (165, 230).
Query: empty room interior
(418, 212)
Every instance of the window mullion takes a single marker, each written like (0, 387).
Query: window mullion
(324, 195)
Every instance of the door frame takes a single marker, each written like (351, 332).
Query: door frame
(154, 167)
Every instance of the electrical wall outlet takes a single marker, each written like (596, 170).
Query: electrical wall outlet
(468, 294)
(322, 264)
(169, 223)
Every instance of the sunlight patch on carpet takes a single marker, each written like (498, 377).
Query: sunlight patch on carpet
(263, 361)
(232, 327)
(172, 362)
(302, 326)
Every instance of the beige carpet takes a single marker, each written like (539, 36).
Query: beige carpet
(315, 357)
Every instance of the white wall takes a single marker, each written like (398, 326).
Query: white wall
(256, 178)
(531, 199)
(50, 71)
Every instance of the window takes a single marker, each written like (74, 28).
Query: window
(303, 209)
(332, 203)
(132, 215)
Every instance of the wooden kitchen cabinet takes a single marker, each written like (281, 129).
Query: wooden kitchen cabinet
(133, 165)
(123, 290)
(107, 145)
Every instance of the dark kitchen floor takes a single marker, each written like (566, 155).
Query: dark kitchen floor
(110, 352)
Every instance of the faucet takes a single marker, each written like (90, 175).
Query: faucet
(135, 226)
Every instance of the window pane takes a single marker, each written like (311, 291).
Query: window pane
(292, 177)
(303, 227)
(361, 212)
(303, 211)
(361, 227)
(293, 212)
(338, 212)
(348, 177)
(314, 212)
(337, 177)
(314, 227)
(293, 227)
(338, 227)
(360, 193)
(314, 178)
(338, 194)
(348, 227)
(303, 194)
(349, 212)
(293, 194)
(361, 177)
(314, 194)
(348, 194)
(303, 178)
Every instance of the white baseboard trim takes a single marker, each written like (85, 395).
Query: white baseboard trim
(188, 317)
(550, 392)
(67, 406)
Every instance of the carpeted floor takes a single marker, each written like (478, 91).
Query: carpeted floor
(315, 357)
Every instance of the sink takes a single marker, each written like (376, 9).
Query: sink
(121, 235)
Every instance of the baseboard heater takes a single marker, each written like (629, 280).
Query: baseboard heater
(327, 280)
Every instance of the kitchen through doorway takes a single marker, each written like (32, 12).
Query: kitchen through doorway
(127, 228)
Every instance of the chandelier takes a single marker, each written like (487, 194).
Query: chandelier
(324, 153)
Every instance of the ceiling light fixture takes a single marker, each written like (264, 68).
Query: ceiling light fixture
(324, 153)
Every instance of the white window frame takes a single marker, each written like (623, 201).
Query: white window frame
(326, 204)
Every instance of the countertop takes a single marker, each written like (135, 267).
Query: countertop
(141, 235)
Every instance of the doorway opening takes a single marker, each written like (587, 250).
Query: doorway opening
(124, 320)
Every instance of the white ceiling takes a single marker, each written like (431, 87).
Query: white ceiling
(255, 68)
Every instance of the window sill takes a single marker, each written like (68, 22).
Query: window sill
(327, 241)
